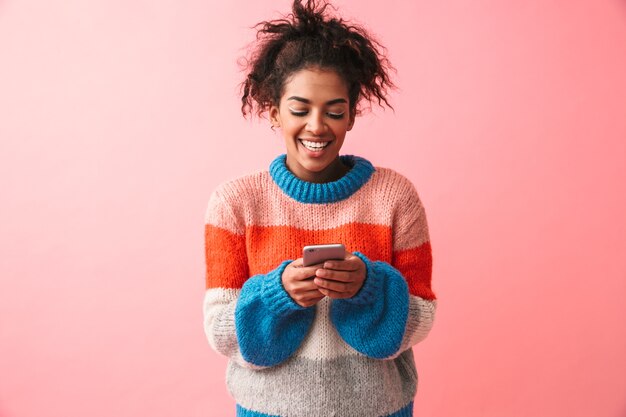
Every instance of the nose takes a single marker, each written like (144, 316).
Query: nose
(315, 124)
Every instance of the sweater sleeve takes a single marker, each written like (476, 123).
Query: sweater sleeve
(251, 320)
(395, 307)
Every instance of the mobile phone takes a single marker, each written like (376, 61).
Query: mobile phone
(316, 254)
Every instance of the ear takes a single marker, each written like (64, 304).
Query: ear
(274, 114)
(352, 119)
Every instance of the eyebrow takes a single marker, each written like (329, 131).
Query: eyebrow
(307, 101)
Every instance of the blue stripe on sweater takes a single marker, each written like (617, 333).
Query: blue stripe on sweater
(373, 321)
(406, 411)
(270, 326)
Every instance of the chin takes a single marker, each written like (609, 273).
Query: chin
(314, 166)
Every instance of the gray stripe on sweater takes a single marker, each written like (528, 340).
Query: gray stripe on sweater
(349, 386)
(420, 321)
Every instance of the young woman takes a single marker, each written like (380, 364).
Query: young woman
(332, 339)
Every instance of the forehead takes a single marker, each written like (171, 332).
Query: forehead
(315, 85)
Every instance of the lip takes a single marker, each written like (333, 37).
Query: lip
(316, 140)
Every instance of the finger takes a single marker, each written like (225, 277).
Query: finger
(311, 294)
(351, 264)
(298, 263)
(300, 273)
(308, 274)
(341, 266)
(335, 286)
(330, 274)
(304, 286)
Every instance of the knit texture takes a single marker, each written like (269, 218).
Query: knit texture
(344, 357)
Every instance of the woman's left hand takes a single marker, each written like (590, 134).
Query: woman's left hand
(341, 279)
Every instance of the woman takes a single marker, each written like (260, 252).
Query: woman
(332, 339)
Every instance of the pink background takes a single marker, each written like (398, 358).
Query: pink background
(118, 118)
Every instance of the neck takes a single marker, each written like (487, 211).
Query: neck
(332, 172)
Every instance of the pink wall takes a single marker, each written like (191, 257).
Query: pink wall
(117, 119)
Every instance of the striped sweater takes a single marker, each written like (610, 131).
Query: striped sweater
(341, 357)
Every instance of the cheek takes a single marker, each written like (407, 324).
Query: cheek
(292, 127)
(341, 128)
(289, 132)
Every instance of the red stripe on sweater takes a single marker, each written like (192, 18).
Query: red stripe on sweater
(228, 266)
(372, 240)
(225, 256)
(416, 265)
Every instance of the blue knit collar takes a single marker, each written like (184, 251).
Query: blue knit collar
(318, 193)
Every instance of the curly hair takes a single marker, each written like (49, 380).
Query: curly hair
(308, 38)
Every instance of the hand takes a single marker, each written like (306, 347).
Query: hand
(341, 279)
(298, 282)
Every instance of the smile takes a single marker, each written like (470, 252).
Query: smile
(313, 146)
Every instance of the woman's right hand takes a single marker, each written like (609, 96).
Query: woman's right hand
(298, 282)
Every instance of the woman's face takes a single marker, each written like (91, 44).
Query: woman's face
(314, 116)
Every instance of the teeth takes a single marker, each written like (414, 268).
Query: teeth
(314, 146)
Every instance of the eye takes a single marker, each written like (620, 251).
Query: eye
(297, 112)
(302, 113)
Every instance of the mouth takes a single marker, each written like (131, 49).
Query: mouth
(314, 146)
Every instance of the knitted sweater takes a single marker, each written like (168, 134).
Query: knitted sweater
(341, 357)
